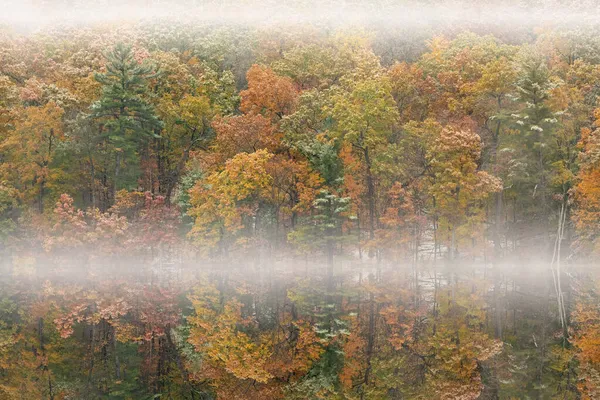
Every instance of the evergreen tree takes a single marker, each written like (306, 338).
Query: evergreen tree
(536, 122)
(127, 119)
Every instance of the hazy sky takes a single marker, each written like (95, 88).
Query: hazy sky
(32, 14)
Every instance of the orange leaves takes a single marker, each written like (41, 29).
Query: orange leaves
(294, 185)
(588, 198)
(128, 204)
(307, 350)
(409, 88)
(268, 94)
(587, 191)
(398, 219)
(586, 338)
(401, 324)
(244, 134)
(354, 357)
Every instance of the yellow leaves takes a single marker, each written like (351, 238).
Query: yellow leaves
(126, 332)
(43, 121)
(562, 175)
(190, 113)
(223, 198)
(86, 89)
(8, 98)
(366, 113)
(30, 147)
(194, 110)
(437, 46)
(497, 78)
(563, 96)
(217, 335)
(236, 353)
(128, 202)
(458, 186)
(175, 78)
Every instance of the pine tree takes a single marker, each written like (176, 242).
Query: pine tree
(127, 119)
(536, 123)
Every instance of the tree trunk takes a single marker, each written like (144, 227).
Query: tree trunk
(497, 273)
(116, 354)
(370, 342)
(92, 181)
(370, 195)
(329, 266)
(41, 196)
(416, 264)
(117, 171)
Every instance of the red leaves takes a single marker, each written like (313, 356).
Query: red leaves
(138, 221)
(74, 228)
(64, 324)
(137, 312)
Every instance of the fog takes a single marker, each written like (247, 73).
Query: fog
(31, 14)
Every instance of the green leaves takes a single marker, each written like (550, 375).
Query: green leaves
(122, 107)
(366, 113)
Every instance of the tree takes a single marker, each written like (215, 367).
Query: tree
(127, 121)
(364, 117)
(268, 94)
(587, 195)
(187, 128)
(32, 148)
(224, 201)
(536, 121)
(458, 187)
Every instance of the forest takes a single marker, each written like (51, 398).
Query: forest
(218, 211)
